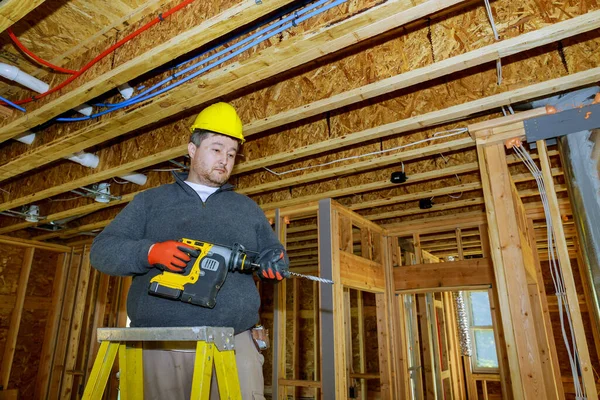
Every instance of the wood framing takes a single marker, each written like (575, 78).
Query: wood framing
(338, 263)
(13, 10)
(272, 61)
(511, 276)
(521, 43)
(509, 216)
(567, 272)
(436, 277)
(205, 32)
(52, 326)
(15, 319)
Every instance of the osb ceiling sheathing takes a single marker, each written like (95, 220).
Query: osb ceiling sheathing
(360, 78)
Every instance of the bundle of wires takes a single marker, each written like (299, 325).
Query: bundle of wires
(557, 277)
(216, 59)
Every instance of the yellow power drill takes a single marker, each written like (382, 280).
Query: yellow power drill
(204, 275)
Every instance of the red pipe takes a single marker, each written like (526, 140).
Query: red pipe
(106, 52)
(25, 50)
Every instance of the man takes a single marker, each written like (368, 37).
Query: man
(142, 241)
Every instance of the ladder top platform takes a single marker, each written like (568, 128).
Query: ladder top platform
(220, 336)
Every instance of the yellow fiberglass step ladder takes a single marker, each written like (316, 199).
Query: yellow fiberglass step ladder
(213, 345)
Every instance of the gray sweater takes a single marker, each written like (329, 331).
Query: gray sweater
(171, 212)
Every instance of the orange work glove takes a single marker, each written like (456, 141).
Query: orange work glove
(171, 255)
(274, 264)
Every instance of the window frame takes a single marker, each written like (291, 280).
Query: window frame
(472, 329)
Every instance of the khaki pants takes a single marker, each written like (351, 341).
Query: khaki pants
(168, 373)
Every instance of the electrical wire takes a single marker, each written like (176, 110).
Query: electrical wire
(135, 99)
(68, 199)
(556, 274)
(167, 169)
(120, 182)
(25, 50)
(453, 132)
(488, 9)
(10, 103)
(152, 92)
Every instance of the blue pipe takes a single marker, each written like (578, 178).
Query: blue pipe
(295, 19)
(281, 13)
(10, 103)
(135, 99)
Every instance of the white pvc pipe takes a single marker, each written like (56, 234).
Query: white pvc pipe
(84, 109)
(85, 159)
(138, 179)
(26, 138)
(15, 74)
(125, 90)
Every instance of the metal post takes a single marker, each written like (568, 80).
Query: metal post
(326, 265)
(583, 185)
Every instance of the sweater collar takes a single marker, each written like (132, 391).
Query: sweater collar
(180, 178)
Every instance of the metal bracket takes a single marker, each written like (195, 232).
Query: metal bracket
(562, 123)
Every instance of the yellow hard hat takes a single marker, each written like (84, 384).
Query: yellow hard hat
(220, 118)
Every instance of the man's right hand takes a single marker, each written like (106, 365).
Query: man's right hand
(171, 255)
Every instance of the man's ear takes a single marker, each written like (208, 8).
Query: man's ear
(192, 149)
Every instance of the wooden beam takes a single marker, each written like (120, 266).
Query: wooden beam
(501, 129)
(31, 302)
(359, 273)
(521, 43)
(12, 11)
(206, 32)
(267, 63)
(546, 337)
(76, 326)
(15, 319)
(568, 279)
(444, 276)
(510, 275)
(107, 172)
(13, 241)
(373, 186)
(52, 326)
(365, 165)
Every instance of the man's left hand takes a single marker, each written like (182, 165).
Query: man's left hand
(274, 264)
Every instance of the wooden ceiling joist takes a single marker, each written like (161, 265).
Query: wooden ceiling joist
(86, 207)
(266, 64)
(502, 49)
(426, 176)
(13, 10)
(109, 171)
(361, 205)
(192, 39)
(505, 48)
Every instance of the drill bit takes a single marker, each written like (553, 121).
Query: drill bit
(311, 277)
(295, 274)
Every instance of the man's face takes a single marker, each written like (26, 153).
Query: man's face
(213, 160)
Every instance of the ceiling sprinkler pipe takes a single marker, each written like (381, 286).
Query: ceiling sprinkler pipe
(15, 74)
(27, 138)
(85, 159)
(138, 179)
